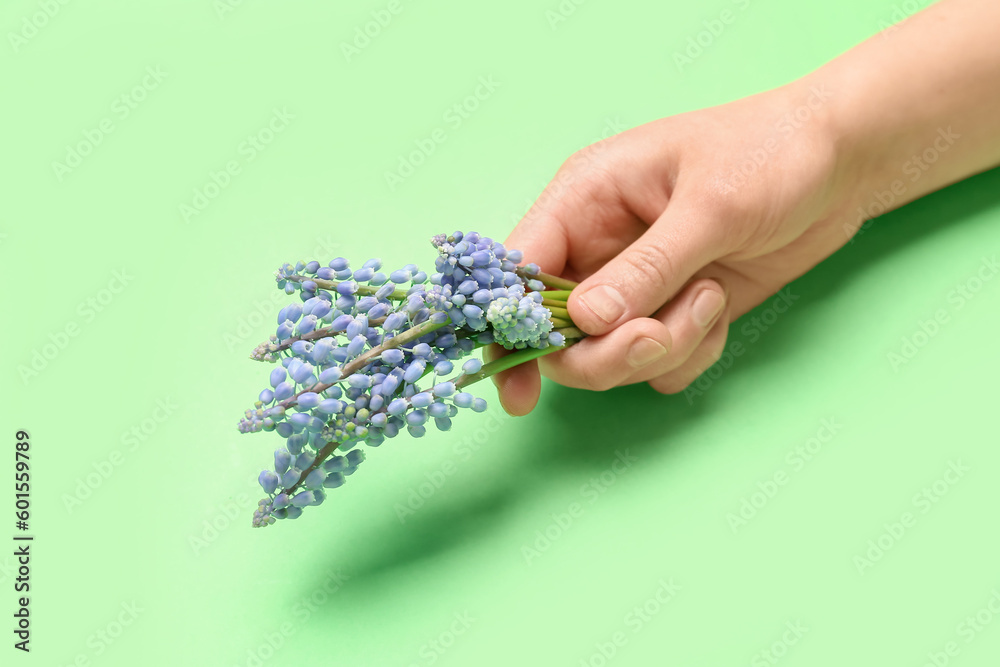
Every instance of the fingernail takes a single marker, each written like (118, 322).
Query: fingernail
(707, 306)
(605, 302)
(643, 352)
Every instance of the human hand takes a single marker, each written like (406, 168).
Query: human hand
(675, 229)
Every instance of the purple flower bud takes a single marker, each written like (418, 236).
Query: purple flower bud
(479, 405)
(330, 375)
(414, 371)
(400, 276)
(293, 512)
(397, 406)
(334, 480)
(392, 356)
(308, 400)
(355, 457)
(444, 389)
(303, 374)
(280, 501)
(330, 406)
(421, 400)
(356, 346)
(303, 499)
(463, 399)
(314, 479)
(472, 366)
(290, 477)
(282, 460)
(268, 480)
(278, 376)
(292, 312)
(283, 390)
(335, 464)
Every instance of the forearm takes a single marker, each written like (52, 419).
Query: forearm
(917, 107)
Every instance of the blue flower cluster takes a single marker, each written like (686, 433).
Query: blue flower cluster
(367, 354)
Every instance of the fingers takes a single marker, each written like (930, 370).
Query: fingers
(581, 196)
(691, 318)
(648, 273)
(706, 354)
(602, 362)
(518, 387)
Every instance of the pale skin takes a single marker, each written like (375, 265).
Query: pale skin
(680, 226)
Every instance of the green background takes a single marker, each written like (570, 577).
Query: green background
(152, 543)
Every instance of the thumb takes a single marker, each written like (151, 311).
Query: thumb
(648, 273)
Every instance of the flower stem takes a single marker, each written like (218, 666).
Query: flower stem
(363, 360)
(561, 313)
(368, 290)
(508, 361)
(571, 332)
(548, 280)
(557, 294)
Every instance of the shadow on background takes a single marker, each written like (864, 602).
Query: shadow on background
(582, 429)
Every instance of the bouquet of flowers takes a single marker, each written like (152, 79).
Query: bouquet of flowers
(367, 354)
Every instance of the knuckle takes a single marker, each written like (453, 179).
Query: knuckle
(652, 262)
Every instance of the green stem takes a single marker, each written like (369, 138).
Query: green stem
(557, 294)
(559, 322)
(548, 280)
(571, 332)
(561, 313)
(508, 361)
(363, 360)
(367, 290)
